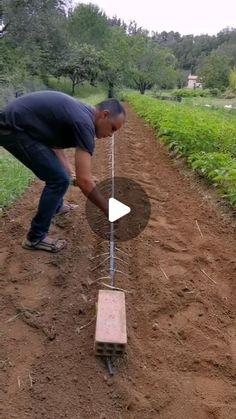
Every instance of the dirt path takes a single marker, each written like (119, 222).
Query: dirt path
(181, 357)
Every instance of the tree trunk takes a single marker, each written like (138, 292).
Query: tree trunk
(110, 90)
(142, 89)
(45, 79)
(73, 88)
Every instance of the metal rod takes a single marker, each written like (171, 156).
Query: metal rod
(109, 365)
(112, 267)
(112, 241)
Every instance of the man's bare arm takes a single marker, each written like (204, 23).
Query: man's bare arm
(84, 180)
(61, 155)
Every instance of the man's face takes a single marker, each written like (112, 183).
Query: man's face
(105, 125)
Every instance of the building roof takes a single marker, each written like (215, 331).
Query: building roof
(191, 77)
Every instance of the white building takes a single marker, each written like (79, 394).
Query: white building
(193, 82)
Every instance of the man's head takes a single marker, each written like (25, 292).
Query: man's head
(109, 117)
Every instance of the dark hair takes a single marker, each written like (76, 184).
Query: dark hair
(112, 105)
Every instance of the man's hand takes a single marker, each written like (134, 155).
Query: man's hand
(95, 179)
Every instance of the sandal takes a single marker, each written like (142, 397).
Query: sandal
(54, 246)
(66, 208)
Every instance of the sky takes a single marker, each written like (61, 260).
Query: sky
(183, 16)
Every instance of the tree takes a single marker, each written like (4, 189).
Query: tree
(114, 62)
(89, 25)
(215, 72)
(133, 29)
(29, 19)
(228, 49)
(82, 64)
(149, 64)
(116, 22)
(232, 80)
(37, 30)
(12, 69)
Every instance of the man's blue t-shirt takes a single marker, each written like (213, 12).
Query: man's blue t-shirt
(53, 118)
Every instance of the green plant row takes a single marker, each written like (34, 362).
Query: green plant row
(207, 138)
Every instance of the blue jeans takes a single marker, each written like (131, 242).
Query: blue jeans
(43, 162)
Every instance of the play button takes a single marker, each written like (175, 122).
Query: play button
(117, 210)
(129, 209)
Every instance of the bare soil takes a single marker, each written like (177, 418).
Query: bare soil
(181, 313)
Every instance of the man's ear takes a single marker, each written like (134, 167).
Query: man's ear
(105, 114)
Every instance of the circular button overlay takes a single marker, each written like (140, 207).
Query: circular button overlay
(129, 210)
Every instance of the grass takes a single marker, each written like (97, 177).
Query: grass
(94, 99)
(14, 178)
(81, 91)
(214, 102)
(85, 93)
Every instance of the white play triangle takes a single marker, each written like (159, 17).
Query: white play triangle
(117, 210)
